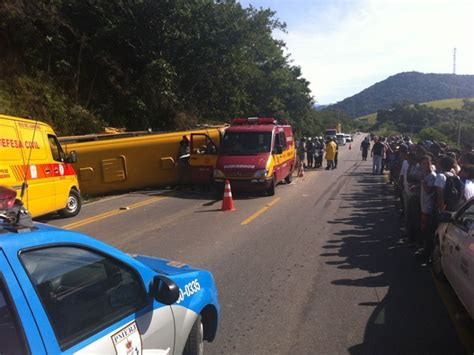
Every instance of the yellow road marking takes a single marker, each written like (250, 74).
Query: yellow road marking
(259, 212)
(111, 213)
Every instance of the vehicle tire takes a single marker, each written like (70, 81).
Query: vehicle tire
(289, 178)
(73, 205)
(436, 265)
(195, 343)
(271, 189)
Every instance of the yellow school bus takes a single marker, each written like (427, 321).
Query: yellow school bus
(135, 160)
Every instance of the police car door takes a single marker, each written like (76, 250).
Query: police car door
(93, 303)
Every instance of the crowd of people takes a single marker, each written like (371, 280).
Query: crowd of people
(430, 177)
(314, 150)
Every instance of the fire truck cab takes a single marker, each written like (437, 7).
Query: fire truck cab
(256, 154)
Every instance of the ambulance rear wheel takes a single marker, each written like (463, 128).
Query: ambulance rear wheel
(195, 343)
(73, 205)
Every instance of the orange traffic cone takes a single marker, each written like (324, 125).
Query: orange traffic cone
(350, 146)
(227, 202)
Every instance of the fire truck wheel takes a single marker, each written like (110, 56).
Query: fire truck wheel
(73, 205)
(271, 189)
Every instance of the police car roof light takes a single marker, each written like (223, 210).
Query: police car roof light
(7, 198)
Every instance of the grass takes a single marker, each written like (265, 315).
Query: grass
(372, 118)
(454, 104)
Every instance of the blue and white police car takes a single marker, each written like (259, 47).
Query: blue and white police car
(64, 292)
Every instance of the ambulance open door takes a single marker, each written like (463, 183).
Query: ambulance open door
(203, 158)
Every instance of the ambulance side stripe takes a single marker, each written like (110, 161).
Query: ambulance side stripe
(55, 170)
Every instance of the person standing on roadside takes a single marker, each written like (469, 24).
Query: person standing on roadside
(330, 153)
(309, 152)
(428, 223)
(183, 157)
(449, 187)
(364, 147)
(377, 153)
(301, 151)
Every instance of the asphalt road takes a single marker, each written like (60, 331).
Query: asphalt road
(316, 269)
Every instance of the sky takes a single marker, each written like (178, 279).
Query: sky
(345, 46)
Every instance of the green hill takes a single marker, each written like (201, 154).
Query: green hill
(411, 87)
(454, 104)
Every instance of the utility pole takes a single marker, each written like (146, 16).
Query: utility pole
(454, 61)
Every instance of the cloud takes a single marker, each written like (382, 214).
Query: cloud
(345, 46)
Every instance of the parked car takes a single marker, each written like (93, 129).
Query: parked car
(348, 137)
(453, 253)
(64, 292)
(340, 139)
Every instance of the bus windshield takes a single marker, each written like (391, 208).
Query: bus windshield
(246, 142)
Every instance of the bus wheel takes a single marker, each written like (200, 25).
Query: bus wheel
(73, 205)
(289, 178)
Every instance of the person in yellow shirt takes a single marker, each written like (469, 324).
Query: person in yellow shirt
(331, 148)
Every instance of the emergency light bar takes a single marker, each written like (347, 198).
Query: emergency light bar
(253, 120)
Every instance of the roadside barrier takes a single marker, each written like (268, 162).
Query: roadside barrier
(227, 201)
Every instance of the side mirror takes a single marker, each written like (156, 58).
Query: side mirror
(278, 149)
(164, 290)
(72, 157)
(445, 217)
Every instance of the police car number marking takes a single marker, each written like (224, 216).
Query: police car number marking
(190, 289)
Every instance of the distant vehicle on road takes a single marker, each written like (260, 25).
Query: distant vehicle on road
(348, 137)
(453, 254)
(332, 131)
(340, 139)
(64, 292)
(255, 155)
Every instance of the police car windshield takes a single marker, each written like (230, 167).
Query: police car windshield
(241, 143)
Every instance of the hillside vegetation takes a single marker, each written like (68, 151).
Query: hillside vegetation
(140, 64)
(410, 87)
(454, 104)
(428, 121)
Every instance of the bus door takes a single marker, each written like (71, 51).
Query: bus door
(203, 158)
